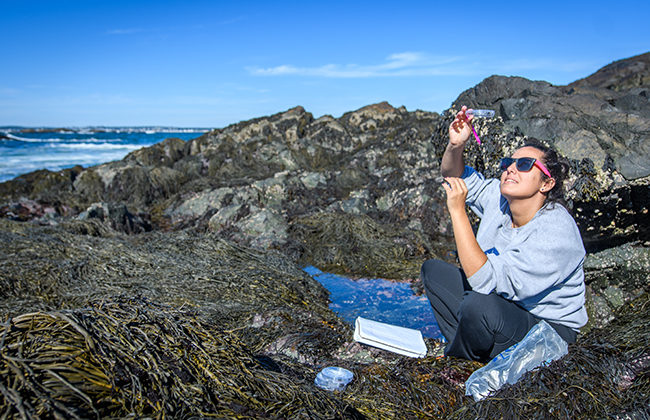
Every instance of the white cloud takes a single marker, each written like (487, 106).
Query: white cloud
(422, 64)
(124, 31)
(399, 64)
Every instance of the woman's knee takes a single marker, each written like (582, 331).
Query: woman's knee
(429, 268)
(439, 275)
(478, 307)
(431, 274)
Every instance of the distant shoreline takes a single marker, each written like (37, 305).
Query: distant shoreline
(103, 129)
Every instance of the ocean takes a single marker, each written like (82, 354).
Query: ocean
(24, 150)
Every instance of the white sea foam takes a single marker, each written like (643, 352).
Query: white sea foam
(28, 140)
(60, 140)
(95, 146)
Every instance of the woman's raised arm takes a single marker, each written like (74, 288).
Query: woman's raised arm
(459, 131)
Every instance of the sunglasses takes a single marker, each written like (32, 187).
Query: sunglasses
(524, 164)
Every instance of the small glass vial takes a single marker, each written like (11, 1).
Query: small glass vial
(480, 113)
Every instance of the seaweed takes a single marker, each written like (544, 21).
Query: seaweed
(99, 324)
(124, 357)
(51, 268)
(343, 244)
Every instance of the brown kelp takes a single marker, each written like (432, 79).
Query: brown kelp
(130, 357)
(113, 325)
(343, 243)
(262, 294)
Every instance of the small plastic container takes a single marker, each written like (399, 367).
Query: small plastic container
(480, 113)
(333, 378)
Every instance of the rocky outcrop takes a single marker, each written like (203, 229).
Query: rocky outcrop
(379, 161)
(606, 122)
(621, 75)
(117, 216)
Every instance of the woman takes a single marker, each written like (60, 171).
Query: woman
(525, 262)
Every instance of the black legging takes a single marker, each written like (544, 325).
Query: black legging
(476, 326)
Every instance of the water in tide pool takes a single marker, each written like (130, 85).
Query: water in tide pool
(24, 150)
(379, 300)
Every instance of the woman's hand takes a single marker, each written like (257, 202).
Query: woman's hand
(456, 194)
(470, 254)
(460, 130)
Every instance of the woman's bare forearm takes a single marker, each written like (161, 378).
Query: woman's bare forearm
(470, 254)
(452, 163)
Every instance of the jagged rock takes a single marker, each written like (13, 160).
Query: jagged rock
(197, 204)
(45, 186)
(165, 153)
(584, 121)
(613, 277)
(620, 75)
(117, 216)
(263, 228)
(226, 217)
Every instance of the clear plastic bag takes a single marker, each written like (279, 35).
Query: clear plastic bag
(333, 378)
(542, 344)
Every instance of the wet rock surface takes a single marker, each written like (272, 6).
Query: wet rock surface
(221, 224)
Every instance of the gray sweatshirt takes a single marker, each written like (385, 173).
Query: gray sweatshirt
(538, 265)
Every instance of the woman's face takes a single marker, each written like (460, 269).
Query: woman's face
(517, 184)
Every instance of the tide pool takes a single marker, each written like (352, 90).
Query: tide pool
(379, 300)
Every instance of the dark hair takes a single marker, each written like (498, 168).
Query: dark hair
(557, 165)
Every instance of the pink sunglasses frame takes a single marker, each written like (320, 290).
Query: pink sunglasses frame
(536, 162)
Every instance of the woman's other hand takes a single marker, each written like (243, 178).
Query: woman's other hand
(459, 129)
(470, 254)
(456, 194)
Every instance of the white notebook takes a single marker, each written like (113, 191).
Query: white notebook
(402, 340)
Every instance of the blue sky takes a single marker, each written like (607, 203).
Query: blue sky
(213, 63)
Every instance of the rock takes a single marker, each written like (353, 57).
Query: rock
(263, 228)
(312, 180)
(614, 277)
(44, 186)
(165, 153)
(626, 266)
(196, 204)
(582, 123)
(28, 210)
(225, 217)
(289, 346)
(620, 75)
(117, 216)
(614, 296)
(599, 311)
(358, 202)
